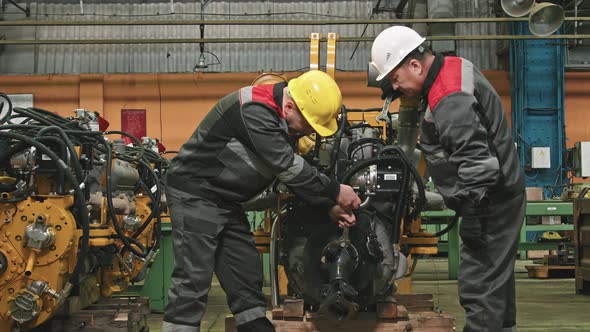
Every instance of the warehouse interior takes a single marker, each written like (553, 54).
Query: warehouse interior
(98, 97)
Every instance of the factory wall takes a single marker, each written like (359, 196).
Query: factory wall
(175, 103)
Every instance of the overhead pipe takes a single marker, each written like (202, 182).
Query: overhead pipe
(262, 40)
(273, 22)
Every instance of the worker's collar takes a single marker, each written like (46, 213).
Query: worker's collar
(277, 93)
(435, 68)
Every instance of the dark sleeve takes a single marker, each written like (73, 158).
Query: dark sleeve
(465, 139)
(267, 135)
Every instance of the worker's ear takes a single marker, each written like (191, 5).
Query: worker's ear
(415, 66)
(289, 106)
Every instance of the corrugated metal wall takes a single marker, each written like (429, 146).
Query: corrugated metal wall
(235, 57)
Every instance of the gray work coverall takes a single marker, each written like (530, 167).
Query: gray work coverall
(472, 159)
(239, 148)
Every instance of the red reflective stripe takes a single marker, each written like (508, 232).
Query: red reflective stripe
(264, 94)
(448, 81)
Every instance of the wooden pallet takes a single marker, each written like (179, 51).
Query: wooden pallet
(109, 315)
(390, 317)
(550, 271)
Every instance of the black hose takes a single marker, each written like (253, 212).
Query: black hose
(448, 228)
(109, 196)
(70, 145)
(138, 244)
(82, 215)
(149, 218)
(361, 143)
(354, 169)
(47, 114)
(417, 179)
(336, 148)
(60, 188)
(137, 142)
(8, 109)
(37, 117)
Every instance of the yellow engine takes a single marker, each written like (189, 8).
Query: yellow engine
(80, 214)
(38, 248)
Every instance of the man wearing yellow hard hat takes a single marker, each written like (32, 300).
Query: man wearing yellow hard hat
(239, 148)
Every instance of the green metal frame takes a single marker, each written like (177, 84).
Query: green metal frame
(544, 208)
(453, 243)
(534, 208)
(158, 279)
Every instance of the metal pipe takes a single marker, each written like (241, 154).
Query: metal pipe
(264, 40)
(274, 264)
(275, 22)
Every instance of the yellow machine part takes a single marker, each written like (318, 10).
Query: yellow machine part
(331, 54)
(52, 264)
(314, 51)
(117, 277)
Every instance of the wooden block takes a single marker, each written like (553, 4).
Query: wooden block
(293, 308)
(429, 321)
(108, 315)
(386, 309)
(402, 312)
(277, 313)
(415, 302)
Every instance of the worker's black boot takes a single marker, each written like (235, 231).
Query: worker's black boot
(261, 324)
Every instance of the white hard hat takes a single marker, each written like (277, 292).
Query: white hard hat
(391, 46)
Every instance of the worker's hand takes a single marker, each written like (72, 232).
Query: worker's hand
(342, 217)
(347, 198)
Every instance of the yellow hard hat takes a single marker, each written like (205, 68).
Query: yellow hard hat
(319, 99)
(269, 78)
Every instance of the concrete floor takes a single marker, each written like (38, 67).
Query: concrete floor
(543, 305)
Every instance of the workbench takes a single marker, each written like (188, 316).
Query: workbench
(533, 208)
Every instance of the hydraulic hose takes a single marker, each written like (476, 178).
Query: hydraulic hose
(70, 146)
(417, 178)
(109, 197)
(8, 109)
(336, 149)
(137, 142)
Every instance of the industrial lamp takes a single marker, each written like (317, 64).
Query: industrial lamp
(544, 18)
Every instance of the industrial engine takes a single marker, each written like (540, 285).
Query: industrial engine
(340, 272)
(80, 212)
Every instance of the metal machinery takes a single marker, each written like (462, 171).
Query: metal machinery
(343, 271)
(80, 213)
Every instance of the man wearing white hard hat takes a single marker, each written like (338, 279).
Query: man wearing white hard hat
(473, 162)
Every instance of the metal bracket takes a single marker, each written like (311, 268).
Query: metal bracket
(26, 10)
